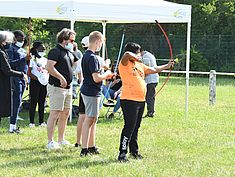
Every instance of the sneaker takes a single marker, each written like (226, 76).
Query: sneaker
(64, 143)
(52, 145)
(93, 150)
(43, 124)
(31, 125)
(77, 145)
(111, 116)
(84, 152)
(136, 156)
(149, 115)
(122, 157)
(17, 131)
(109, 103)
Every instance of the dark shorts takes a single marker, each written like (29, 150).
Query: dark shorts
(81, 105)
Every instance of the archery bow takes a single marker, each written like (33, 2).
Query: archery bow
(29, 43)
(171, 54)
(115, 69)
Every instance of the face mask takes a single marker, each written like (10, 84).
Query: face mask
(41, 54)
(19, 44)
(98, 49)
(69, 46)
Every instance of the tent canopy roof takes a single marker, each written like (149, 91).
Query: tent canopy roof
(121, 11)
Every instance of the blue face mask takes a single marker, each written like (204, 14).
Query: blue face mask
(69, 46)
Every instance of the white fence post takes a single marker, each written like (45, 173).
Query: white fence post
(212, 87)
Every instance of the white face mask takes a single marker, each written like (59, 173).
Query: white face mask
(98, 49)
(41, 54)
(69, 46)
(19, 44)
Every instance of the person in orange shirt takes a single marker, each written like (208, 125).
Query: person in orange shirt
(132, 72)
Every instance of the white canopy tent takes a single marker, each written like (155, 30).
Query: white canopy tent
(104, 11)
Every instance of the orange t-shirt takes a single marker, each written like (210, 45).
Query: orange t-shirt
(133, 84)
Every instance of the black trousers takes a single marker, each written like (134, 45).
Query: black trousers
(38, 94)
(132, 112)
(150, 97)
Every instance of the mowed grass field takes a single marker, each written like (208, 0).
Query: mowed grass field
(201, 145)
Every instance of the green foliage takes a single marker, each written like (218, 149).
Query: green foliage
(12, 24)
(37, 31)
(211, 16)
(197, 61)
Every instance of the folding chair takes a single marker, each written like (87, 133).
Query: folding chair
(110, 110)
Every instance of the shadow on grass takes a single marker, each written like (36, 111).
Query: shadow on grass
(50, 161)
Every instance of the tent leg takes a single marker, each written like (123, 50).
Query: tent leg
(104, 33)
(71, 113)
(187, 68)
(72, 24)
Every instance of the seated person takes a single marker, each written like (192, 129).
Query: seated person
(113, 93)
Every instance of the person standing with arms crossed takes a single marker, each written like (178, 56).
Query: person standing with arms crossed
(91, 91)
(60, 67)
(132, 72)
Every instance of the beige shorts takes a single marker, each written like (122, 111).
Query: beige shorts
(60, 98)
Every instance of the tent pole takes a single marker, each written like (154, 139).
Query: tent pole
(104, 34)
(187, 68)
(72, 24)
(72, 21)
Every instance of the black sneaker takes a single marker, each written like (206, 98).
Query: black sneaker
(122, 157)
(149, 115)
(93, 150)
(77, 145)
(136, 156)
(84, 152)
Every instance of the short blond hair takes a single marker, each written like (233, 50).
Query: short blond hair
(96, 36)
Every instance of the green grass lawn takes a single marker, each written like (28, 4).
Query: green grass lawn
(202, 145)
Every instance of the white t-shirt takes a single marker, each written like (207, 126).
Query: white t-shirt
(79, 70)
(38, 68)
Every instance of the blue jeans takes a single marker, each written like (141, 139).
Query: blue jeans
(109, 94)
(18, 87)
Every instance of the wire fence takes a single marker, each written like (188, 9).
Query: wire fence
(218, 50)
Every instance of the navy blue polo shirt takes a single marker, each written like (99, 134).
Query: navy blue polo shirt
(64, 62)
(90, 65)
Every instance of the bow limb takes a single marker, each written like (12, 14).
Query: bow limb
(29, 43)
(171, 54)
